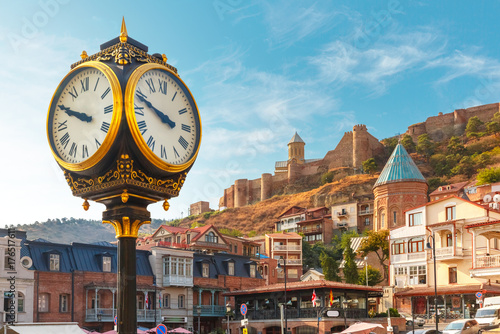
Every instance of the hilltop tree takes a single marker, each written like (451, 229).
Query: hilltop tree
(378, 243)
(350, 267)
(488, 175)
(493, 127)
(473, 127)
(408, 143)
(370, 166)
(390, 144)
(455, 146)
(425, 146)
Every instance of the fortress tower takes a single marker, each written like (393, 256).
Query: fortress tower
(399, 187)
(296, 149)
(360, 145)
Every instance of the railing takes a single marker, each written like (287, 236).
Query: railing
(209, 310)
(210, 245)
(108, 314)
(311, 230)
(293, 261)
(287, 247)
(408, 257)
(293, 313)
(365, 212)
(486, 261)
(176, 280)
(172, 244)
(444, 251)
(343, 213)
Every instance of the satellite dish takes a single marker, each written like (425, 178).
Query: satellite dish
(496, 198)
(487, 198)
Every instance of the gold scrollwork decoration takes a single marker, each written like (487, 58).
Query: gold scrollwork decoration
(126, 228)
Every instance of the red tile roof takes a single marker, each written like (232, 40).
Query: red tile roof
(455, 187)
(450, 289)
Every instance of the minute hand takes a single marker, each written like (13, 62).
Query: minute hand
(164, 118)
(80, 115)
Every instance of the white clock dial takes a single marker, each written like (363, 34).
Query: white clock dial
(81, 115)
(166, 116)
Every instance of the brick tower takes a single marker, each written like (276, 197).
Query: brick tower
(296, 149)
(399, 187)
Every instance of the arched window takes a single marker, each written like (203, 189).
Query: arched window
(20, 302)
(211, 237)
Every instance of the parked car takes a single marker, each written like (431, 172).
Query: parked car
(463, 326)
(419, 321)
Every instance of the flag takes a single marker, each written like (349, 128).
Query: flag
(147, 300)
(331, 298)
(314, 298)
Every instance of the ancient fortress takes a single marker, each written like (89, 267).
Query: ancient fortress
(355, 147)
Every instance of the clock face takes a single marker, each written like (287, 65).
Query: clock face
(81, 116)
(164, 120)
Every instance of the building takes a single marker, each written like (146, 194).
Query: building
(286, 246)
(78, 283)
(289, 218)
(198, 208)
(465, 241)
(455, 189)
(399, 187)
(317, 227)
(313, 274)
(263, 307)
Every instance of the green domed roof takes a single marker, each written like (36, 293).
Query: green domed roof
(399, 168)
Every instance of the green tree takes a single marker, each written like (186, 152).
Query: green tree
(374, 276)
(378, 243)
(425, 146)
(370, 166)
(482, 160)
(330, 268)
(493, 127)
(455, 146)
(488, 175)
(465, 166)
(350, 267)
(309, 258)
(390, 144)
(473, 125)
(408, 143)
(327, 177)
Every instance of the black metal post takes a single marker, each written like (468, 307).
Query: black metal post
(413, 316)
(127, 310)
(435, 281)
(286, 318)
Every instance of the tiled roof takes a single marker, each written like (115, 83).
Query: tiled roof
(453, 188)
(399, 168)
(218, 265)
(451, 289)
(296, 139)
(285, 235)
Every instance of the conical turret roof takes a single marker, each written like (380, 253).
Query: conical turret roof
(399, 168)
(296, 139)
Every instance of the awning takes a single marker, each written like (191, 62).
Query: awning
(47, 328)
(361, 328)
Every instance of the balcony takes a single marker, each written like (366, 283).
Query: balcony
(177, 280)
(302, 313)
(365, 212)
(342, 214)
(210, 311)
(294, 262)
(205, 244)
(448, 253)
(407, 257)
(108, 315)
(287, 248)
(313, 230)
(486, 265)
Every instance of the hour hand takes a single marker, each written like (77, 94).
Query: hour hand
(80, 115)
(164, 118)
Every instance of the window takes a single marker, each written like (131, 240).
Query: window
(7, 299)
(400, 270)
(54, 262)
(189, 267)
(10, 262)
(382, 220)
(181, 302)
(236, 249)
(205, 272)
(252, 270)
(418, 275)
(230, 268)
(166, 266)
(140, 302)
(450, 213)
(293, 273)
(166, 300)
(63, 303)
(367, 221)
(20, 302)
(106, 264)
(188, 238)
(398, 247)
(43, 302)
(211, 237)
(394, 217)
(415, 219)
(449, 240)
(181, 267)
(178, 239)
(231, 246)
(452, 275)
(416, 245)
(94, 304)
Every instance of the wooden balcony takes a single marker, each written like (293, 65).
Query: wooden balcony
(449, 253)
(408, 257)
(108, 315)
(486, 266)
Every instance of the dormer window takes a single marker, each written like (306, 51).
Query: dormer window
(54, 262)
(230, 268)
(188, 238)
(106, 264)
(211, 237)
(252, 270)
(205, 270)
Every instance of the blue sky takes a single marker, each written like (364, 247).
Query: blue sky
(259, 71)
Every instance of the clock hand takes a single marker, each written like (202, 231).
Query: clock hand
(164, 118)
(80, 115)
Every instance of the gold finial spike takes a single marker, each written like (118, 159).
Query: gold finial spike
(123, 32)
(166, 206)
(84, 54)
(86, 205)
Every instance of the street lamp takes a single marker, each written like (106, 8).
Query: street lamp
(433, 247)
(282, 267)
(228, 312)
(366, 268)
(198, 311)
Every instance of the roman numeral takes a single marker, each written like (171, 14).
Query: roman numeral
(142, 127)
(151, 143)
(85, 151)
(62, 126)
(186, 128)
(151, 85)
(72, 150)
(174, 96)
(163, 152)
(175, 152)
(105, 93)
(163, 86)
(73, 93)
(140, 93)
(182, 111)
(108, 109)
(105, 127)
(65, 140)
(139, 110)
(85, 84)
(97, 144)
(96, 83)
(183, 142)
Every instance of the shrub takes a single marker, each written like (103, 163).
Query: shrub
(327, 177)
